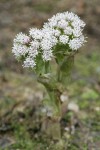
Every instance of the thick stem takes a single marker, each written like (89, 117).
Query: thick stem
(56, 102)
(54, 94)
(51, 126)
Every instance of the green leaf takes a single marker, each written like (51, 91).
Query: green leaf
(47, 67)
(40, 65)
(67, 64)
(65, 69)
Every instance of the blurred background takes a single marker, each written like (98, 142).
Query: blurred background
(20, 92)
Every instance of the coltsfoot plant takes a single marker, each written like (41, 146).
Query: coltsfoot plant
(56, 43)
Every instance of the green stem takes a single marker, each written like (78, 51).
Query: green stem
(52, 126)
(53, 92)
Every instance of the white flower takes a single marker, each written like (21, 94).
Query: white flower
(70, 16)
(34, 49)
(78, 23)
(33, 52)
(77, 32)
(68, 31)
(19, 50)
(62, 24)
(54, 40)
(63, 39)
(35, 44)
(21, 38)
(46, 44)
(76, 43)
(56, 33)
(48, 40)
(36, 33)
(29, 62)
(47, 55)
(51, 24)
(47, 33)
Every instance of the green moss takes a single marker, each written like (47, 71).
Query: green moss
(90, 94)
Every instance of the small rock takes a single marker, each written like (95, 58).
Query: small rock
(72, 129)
(6, 142)
(64, 97)
(67, 129)
(49, 114)
(73, 107)
(97, 108)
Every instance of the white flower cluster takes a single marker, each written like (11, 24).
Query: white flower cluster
(70, 27)
(63, 28)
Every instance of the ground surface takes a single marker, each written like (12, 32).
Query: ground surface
(20, 95)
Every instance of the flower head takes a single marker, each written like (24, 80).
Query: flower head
(64, 39)
(29, 62)
(70, 27)
(19, 50)
(63, 28)
(35, 33)
(22, 38)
